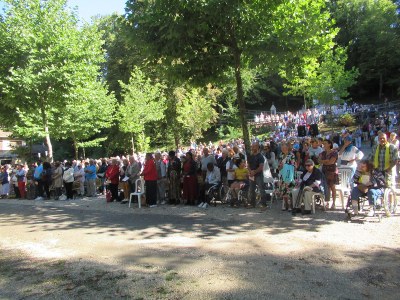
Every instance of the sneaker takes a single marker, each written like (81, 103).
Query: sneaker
(39, 199)
(371, 212)
(155, 205)
(201, 205)
(205, 206)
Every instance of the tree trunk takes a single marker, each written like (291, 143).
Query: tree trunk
(47, 133)
(76, 148)
(240, 99)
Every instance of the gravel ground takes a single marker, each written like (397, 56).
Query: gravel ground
(90, 249)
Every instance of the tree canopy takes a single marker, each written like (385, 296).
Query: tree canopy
(195, 42)
(48, 63)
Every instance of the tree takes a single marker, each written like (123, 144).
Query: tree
(45, 59)
(195, 110)
(91, 110)
(143, 103)
(325, 79)
(370, 31)
(197, 43)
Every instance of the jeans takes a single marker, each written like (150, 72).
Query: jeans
(258, 180)
(372, 195)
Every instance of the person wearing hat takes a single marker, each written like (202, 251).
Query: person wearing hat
(21, 179)
(311, 180)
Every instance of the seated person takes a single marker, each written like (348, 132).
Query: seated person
(241, 179)
(309, 185)
(368, 182)
(213, 179)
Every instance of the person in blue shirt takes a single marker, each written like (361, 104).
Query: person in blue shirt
(37, 177)
(90, 177)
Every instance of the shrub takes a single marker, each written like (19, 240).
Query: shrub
(347, 120)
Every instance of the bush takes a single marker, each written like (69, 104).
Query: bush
(347, 120)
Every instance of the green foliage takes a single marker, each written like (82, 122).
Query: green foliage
(347, 120)
(195, 43)
(143, 102)
(227, 132)
(195, 110)
(122, 51)
(370, 29)
(49, 70)
(324, 79)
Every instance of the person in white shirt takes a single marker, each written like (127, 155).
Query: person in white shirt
(349, 155)
(79, 175)
(213, 178)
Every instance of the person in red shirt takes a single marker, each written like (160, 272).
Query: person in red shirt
(112, 175)
(150, 178)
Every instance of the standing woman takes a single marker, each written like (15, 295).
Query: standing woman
(349, 154)
(21, 179)
(112, 175)
(150, 177)
(287, 162)
(68, 178)
(5, 181)
(189, 174)
(57, 179)
(124, 178)
(328, 159)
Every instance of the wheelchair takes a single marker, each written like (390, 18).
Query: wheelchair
(385, 205)
(217, 193)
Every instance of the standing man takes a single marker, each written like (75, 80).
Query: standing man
(90, 177)
(205, 160)
(256, 166)
(161, 176)
(384, 157)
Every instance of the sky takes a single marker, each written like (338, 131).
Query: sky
(90, 8)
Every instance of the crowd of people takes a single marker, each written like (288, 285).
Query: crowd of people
(184, 176)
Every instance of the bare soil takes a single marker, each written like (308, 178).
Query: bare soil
(88, 249)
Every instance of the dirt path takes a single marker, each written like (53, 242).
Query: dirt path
(87, 249)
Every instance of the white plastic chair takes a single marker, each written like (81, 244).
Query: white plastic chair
(344, 186)
(269, 180)
(139, 191)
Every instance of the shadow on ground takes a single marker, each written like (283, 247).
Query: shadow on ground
(305, 276)
(158, 224)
